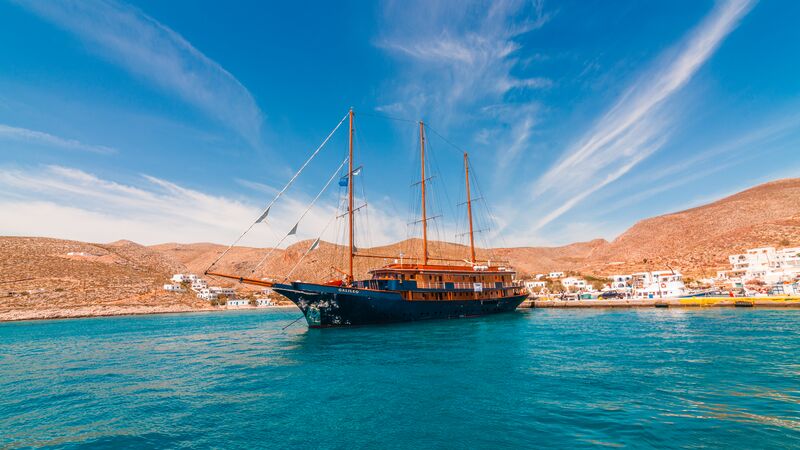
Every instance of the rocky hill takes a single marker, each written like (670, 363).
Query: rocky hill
(45, 278)
(699, 240)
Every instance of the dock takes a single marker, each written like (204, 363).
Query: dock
(698, 302)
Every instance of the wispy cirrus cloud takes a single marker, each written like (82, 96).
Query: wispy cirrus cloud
(153, 52)
(40, 137)
(639, 122)
(460, 65)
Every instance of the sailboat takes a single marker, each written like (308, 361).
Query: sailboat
(404, 291)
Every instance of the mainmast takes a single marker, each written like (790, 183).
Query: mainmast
(469, 211)
(350, 199)
(424, 212)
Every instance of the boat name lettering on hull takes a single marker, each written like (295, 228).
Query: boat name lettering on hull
(348, 291)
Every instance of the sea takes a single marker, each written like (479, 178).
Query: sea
(541, 378)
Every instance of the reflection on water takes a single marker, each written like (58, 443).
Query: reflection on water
(560, 378)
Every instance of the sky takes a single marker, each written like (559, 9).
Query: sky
(181, 121)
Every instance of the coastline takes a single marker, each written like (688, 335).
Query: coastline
(698, 302)
(101, 311)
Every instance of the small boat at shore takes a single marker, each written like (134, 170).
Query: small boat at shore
(424, 288)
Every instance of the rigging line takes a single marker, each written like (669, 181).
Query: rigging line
(281, 191)
(310, 248)
(386, 116)
(292, 323)
(311, 205)
(428, 126)
(492, 220)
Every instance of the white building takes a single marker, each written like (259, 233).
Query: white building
(555, 275)
(576, 282)
(213, 293)
(658, 284)
(530, 285)
(174, 288)
(620, 282)
(539, 276)
(763, 264)
(180, 278)
(264, 302)
(237, 303)
(199, 284)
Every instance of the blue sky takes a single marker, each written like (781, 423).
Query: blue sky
(179, 121)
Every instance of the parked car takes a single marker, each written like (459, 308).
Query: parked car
(610, 294)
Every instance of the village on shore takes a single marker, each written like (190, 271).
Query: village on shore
(222, 296)
(759, 272)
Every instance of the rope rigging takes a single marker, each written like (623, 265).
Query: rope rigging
(293, 231)
(264, 214)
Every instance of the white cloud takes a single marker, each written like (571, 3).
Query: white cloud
(39, 137)
(68, 203)
(256, 186)
(637, 125)
(459, 57)
(144, 47)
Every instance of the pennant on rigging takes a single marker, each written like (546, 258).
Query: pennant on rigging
(314, 245)
(294, 229)
(263, 216)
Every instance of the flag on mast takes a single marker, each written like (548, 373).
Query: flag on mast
(344, 180)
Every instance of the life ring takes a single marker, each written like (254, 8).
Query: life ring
(663, 285)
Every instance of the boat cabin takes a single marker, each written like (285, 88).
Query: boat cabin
(441, 282)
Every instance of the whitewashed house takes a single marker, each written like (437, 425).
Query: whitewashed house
(763, 264)
(555, 275)
(199, 284)
(575, 282)
(620, 282)
(207, 294)
(174, 288)
(180, 278)
(237, 303)
(224, 292)
(531, 285)
(264, 302)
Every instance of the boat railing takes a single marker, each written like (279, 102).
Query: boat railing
(432, 285)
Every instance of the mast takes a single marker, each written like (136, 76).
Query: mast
(469, 211)
(350, 198)
(424, 212)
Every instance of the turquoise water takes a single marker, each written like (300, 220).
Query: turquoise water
(538, 378)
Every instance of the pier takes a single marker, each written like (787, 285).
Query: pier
(699, 302)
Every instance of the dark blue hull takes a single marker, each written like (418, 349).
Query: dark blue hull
(331, 306)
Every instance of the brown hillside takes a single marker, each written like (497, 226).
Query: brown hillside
(698, 240)
(317, 265)
(41, 279)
